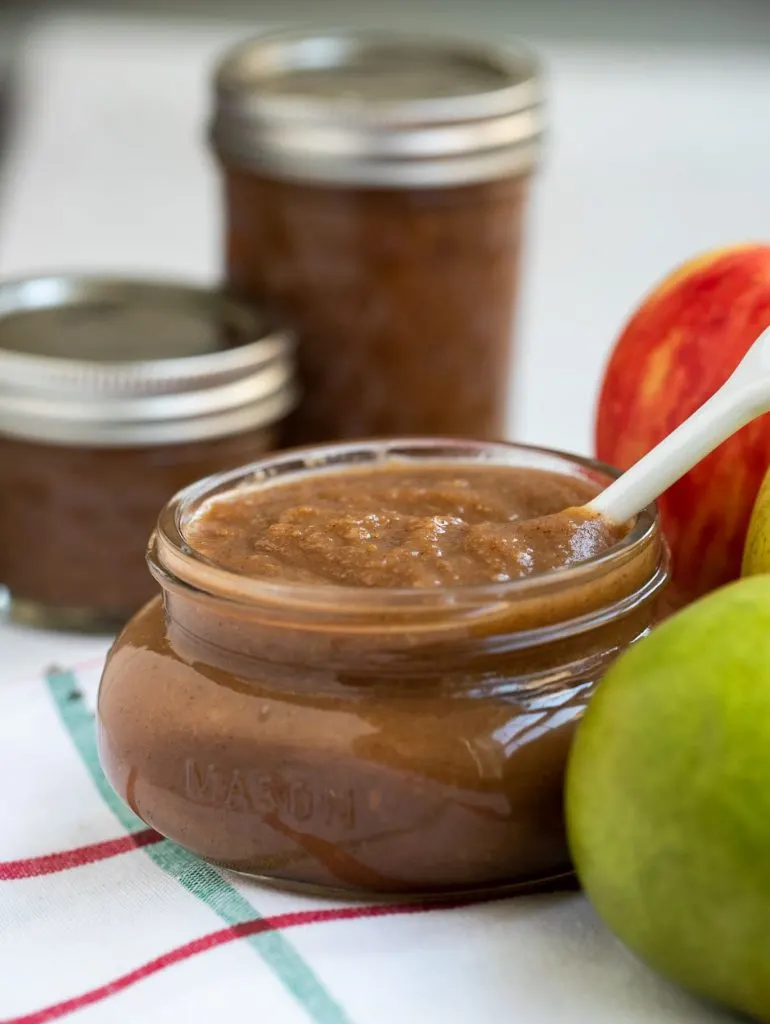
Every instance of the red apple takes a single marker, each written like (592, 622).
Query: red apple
(682, 344)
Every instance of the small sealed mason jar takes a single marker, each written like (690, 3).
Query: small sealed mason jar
(375, 190)
(323, 703)
(114, 394)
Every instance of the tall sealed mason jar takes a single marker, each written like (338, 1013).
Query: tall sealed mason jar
(375, 188)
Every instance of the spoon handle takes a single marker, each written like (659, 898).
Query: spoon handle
(741, 399)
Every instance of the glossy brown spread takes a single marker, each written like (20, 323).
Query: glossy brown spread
(404, 527)
(403, 300)
(399, 747)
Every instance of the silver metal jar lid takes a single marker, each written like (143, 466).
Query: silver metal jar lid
(378, 109)
(108, 362)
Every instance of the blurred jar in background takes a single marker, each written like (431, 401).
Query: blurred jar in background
(114, 395)
(375, 190)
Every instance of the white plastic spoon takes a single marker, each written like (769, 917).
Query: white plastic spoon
(744, 396)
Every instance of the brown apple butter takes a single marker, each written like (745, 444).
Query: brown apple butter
(74, 521)
(366, 671)
(401, 527)
(375, 189)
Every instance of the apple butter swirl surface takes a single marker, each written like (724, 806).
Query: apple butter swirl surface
(401, 526)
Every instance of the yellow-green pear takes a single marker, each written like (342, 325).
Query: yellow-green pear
(756, 551)
(668, 798)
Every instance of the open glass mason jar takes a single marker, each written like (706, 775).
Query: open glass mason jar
(367, 741)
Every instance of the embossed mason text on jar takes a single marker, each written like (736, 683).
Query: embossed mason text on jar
(296, 798)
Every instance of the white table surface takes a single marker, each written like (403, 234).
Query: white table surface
(653, 156)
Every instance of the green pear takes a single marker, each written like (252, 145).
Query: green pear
(756, 552)
(668, 798)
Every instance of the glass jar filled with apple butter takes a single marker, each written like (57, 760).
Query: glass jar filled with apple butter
(375, 189)
(114, 394)
(369, 661)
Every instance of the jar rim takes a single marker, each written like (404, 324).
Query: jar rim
(359, 131)
(113, 395)
(172, 561)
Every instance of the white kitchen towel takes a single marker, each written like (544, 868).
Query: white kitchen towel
(102, 920)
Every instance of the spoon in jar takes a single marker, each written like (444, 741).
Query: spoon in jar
(743, 397)
(585, 530)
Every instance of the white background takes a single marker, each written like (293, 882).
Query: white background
(655, 153)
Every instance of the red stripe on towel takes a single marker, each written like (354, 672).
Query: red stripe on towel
(220, 938)
(50, 863)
